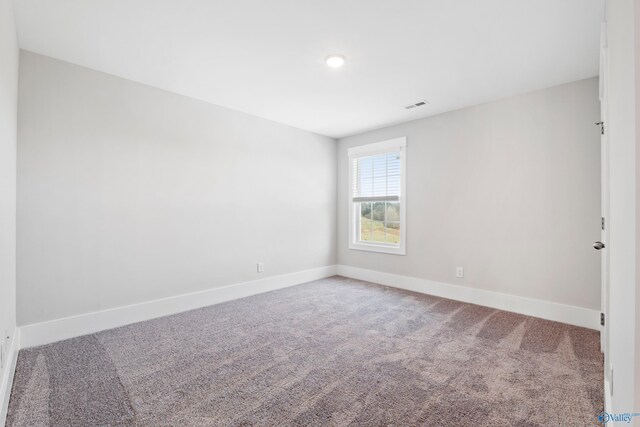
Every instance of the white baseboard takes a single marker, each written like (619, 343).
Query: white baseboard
(528, 306)
(607, 396)
(89, 323)
(6, 375)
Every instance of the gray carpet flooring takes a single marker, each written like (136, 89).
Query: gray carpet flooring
(331, 352)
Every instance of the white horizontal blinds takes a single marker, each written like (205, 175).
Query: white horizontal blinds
(376, 178)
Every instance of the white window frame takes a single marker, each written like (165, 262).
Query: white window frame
(398, 145)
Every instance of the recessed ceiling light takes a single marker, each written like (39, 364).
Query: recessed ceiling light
(335, 60)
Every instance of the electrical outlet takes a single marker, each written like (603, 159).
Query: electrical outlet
(459, 272)
(260, 267)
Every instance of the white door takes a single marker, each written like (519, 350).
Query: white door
(604, 239)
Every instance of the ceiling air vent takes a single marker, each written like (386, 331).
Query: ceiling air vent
(417, 104)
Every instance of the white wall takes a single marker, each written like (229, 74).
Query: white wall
(8, 120)
(509, 190)
(127, 193)
(637, 129)
(622, 247)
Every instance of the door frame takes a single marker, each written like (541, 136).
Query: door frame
(604, 176)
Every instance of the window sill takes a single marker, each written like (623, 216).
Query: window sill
(369, 247)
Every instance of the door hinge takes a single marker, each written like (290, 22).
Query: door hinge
(601, 124)
(602, 319)
(602, 223)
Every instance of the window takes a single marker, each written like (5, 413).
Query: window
(377, 198)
